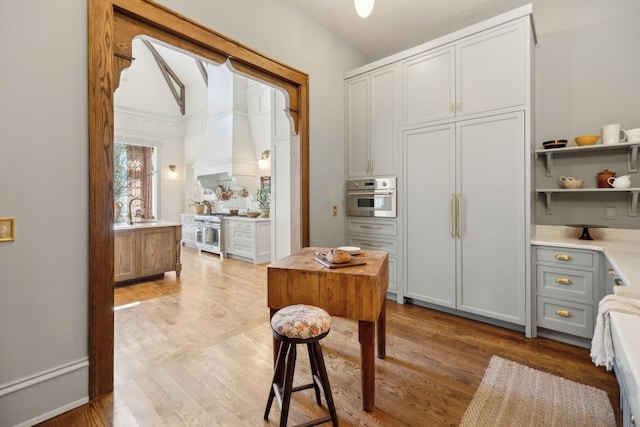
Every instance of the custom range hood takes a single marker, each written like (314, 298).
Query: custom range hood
(226, 152)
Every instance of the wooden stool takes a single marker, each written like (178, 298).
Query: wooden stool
(293, 325)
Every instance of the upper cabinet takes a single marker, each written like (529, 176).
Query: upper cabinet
(477, 74)
(371, 123)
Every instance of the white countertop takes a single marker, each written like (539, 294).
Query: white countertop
(245, 218)
(624, 331)
(621, 247)
(144, 224)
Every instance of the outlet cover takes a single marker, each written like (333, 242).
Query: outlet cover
(610, 213)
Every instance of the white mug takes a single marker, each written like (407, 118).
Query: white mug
(633, 135)
(612, 134)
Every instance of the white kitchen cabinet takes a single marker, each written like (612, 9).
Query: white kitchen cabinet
(477, 74)
(248, 239)
(465, 213)
(378, 235)
(371, 123)
(189, 230)
(568, 288)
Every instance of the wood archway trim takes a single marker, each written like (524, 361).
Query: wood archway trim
(112, 26)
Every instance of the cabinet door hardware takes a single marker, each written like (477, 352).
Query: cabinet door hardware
(373, 245)
(451, 203)
(611, 272)
(618, 282)
(564, 313)
(458, 203)
(452, 108)
(371, 227)
(563, 281)
(563, 257)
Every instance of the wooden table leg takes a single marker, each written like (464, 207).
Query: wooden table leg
(366, 336)
(381, 331)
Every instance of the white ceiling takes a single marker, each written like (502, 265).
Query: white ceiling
(395, 25)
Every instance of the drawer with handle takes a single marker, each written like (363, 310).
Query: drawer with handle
(376, 244)
(566, 257)
(565, 283)
(372, 227)
(564, 316)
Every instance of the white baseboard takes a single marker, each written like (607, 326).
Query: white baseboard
(36, 398)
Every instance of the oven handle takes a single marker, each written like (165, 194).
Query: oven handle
(359, 193)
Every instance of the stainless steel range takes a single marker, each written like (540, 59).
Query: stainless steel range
(209, 233)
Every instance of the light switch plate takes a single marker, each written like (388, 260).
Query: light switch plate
(610, 213)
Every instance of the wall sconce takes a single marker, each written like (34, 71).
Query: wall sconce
(264, 163)
(364, 7)
(173, 174)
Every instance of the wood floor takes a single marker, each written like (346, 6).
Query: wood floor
(196, 351)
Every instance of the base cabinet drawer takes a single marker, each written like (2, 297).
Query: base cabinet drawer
(564, 316)
(374, 243)
(566, 257)
(565, 283)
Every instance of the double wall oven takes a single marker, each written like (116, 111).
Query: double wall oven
(372, 197)
(209, 233)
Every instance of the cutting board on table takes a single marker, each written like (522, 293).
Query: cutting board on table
(322, 259)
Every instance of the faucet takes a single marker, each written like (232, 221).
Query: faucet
(129, 212)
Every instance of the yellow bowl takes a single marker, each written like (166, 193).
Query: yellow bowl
(587, 139)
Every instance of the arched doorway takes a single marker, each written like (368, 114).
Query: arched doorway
(112, 26)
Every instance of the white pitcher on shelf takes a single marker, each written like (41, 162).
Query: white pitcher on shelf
(623, 181)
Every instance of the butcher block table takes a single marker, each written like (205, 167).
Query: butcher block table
(355, 292)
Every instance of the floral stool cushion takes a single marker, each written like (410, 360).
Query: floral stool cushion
(301, 321)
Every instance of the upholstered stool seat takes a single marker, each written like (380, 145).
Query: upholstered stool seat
(293, 325)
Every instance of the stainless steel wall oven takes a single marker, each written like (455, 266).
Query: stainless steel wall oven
(373, 197)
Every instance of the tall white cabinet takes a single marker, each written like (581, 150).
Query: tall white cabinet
(463, 119)
(371, 123)
(465, 245)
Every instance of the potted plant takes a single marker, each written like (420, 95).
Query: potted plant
(198, 206)
(263, 196)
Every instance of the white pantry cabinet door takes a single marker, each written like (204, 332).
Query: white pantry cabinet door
(491, 71)
(383, 153)
(428, 88)
(357, 125)
(429, 176)
(491, 249)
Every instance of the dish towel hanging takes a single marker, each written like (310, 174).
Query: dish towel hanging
(602, 352)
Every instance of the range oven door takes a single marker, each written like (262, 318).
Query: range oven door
(211, 238)
(374, 203)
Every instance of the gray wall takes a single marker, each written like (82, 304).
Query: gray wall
(587, 76)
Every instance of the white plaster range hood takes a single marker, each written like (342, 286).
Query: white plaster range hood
(227, 152)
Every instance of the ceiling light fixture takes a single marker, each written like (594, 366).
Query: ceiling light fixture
(364, 7)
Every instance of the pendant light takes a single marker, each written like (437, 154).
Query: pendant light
(364, 7)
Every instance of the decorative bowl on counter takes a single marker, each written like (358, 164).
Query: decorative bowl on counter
(587, 139)
(251, 214)
(570, 182)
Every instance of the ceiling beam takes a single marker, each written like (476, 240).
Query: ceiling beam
(169, 76)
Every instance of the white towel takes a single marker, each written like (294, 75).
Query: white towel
(602, 352)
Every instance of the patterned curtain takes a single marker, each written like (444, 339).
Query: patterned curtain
(140, 172)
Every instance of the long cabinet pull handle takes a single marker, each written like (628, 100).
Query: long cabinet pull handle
(564, 313)
(371, 227)
(374, 245)
(451, 203)
(458, 206)
(563, 257)
(372, 165)
(563, 281)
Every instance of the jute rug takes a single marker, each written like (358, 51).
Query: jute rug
(516, 395)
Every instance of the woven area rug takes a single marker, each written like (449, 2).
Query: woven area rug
(516, 395)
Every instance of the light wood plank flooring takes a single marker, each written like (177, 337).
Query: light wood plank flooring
(196, 351)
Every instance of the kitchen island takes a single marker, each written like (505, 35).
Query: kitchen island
(146, 249)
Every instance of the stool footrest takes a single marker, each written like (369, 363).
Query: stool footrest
(315, 422)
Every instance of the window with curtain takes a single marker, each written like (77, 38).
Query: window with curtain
(133, 178)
